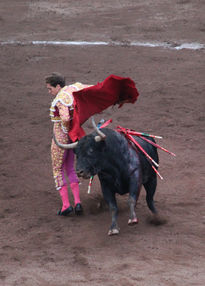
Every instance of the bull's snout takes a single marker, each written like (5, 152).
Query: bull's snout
(82, 174)
(79, 173)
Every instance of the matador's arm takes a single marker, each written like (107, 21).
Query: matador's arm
(65, 117)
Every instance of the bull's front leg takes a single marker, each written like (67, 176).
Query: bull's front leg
(134, 191)
(109, 196)
(133, 217)
(114, 229)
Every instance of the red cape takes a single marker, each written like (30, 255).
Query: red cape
(91, 100)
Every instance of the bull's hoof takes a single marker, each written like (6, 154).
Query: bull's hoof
(113, 231)
(132, 221)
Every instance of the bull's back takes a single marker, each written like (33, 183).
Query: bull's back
(126, 158)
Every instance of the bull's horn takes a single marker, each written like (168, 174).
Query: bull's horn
(65, 146)
(101, 136)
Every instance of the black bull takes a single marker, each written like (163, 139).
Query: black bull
(120, 168)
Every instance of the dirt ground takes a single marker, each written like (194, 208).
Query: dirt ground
(38, 248)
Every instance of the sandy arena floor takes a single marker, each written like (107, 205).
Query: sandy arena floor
(38, 248)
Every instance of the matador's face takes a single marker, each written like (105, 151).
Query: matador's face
(52, 89)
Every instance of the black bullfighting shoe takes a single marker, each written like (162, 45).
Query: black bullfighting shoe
(78, 209)
(66, 212)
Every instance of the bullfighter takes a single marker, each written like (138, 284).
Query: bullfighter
(61, 112)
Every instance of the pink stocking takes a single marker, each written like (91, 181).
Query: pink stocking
(64, 197)
(76, 192)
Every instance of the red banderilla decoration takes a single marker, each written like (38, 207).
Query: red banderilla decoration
(128, 133)
(157, 146)
(147, 155)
